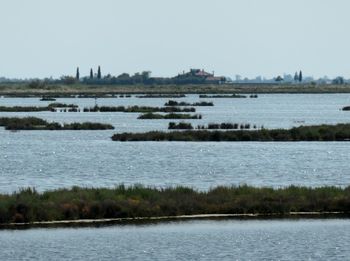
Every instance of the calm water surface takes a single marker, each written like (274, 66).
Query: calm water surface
(196, 240)
(48, 160)
(269, 110)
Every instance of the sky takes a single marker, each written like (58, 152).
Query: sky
(44, 38)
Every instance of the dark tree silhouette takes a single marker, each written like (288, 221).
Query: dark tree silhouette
(99, 73)
(296, 77)
(279, 79)
(300, 76)
(91, 74)
(77, 76)
(338, 80)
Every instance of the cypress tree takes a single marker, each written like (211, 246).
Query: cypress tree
(78, 74)
(296, 77)
(99, 73)
(91, 74)
(300, 76)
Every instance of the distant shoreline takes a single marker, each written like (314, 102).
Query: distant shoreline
(22, 90)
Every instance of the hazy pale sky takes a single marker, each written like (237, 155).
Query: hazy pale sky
(43, 38)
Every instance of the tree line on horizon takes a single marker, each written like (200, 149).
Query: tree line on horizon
(140, 78)
(298, 77)
(184, 78)
(194, 76)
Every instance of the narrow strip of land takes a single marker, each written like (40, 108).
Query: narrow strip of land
(60, 107)
(164, 91)
(33, 123)
(171, 103)
(339, 132)
(79, 205)
(138, 109)
(172, 116)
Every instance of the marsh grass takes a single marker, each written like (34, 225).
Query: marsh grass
(50, 107)
(33, 123)
(176, 103)
(169, 95)
(28, 205)
(138, 109)
(180, 126)
(339, 132)
(222, 96)
(225, 126)
(172, 116)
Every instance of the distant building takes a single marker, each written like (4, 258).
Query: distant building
(200, 73)
(201, 76)
(215, 80)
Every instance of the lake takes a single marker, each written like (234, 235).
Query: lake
(191, 240)
(55, 159)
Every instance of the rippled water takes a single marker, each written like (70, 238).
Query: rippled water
(269, 110)
(48, 160)
(196, 240)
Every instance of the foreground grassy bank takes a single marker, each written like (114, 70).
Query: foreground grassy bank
(20, 90)
(33, 123)
(339, 132)
(130, 202)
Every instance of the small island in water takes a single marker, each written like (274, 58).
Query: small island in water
(33, 123)
(339, 132)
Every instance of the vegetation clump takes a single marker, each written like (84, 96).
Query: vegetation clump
(62, 105)
(33, 123)
(47, 98)
(210, 126)
(75, 108)
(176, 103)
(180, 126)
(28, 205)
(346, 108)
(102, 95)
(138, 109)
(339, 132)
(162, 96)
(21, 123)
(50, 107)
(23, 109)
(155, 116)
(222, 96)
(225, 126)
